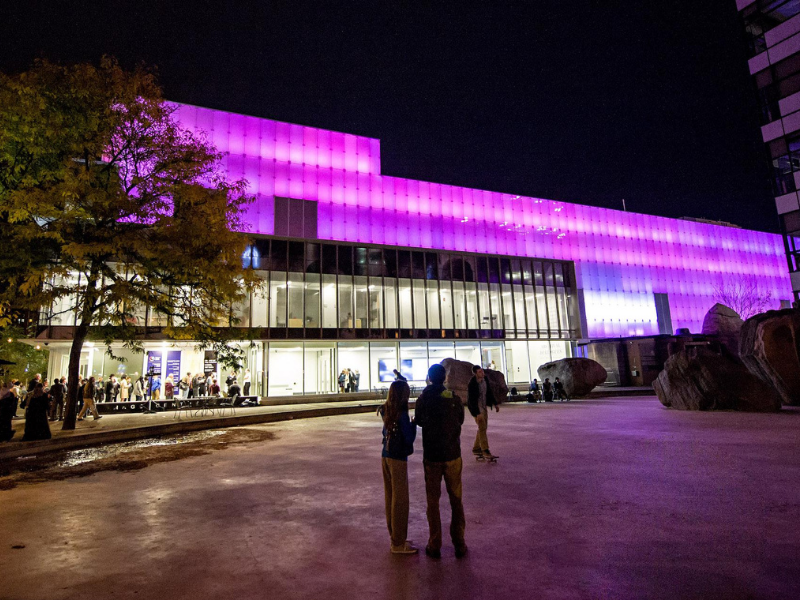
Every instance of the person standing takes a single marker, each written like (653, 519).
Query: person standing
(124, 388)
(356, 380)
(200, 384)
(36, 425)
(547, 390)
(169, 388)
(138, 389)
(184, 384)
(479, 401)
(88, 400)
(246, 388)
(440, 414)
(398, 444)
(351, 381)
(342, 380)
(229, 381)
(8, 407)
(57, 394)
(558, 390)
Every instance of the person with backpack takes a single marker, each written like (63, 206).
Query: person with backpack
(480, 401)
(399, 434)
(440, 414)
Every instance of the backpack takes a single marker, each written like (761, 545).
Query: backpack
(394, 442)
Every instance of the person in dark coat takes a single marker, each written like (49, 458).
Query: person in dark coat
(36, 425)
(547, 390)
(8, 407)
(57, 394)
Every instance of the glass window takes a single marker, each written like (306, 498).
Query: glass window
(319, 368)
(433, 304)
(438, 351)
(406, 310)
(240, 312)
(277, 299)
(494, 270)
(459, 306)
(390, 302)
(376, 264)
(418, 289)
(259, 302)
(312, 300)
(285, 369)
(471, 299)
(519, 309)
(414, 362)
(313, 258)
(431, 266)
(346, 319)
(483, 306)
(537, 274)
(297, 257)
(505, 270)
(361, 264)
(361, 301)
(492, 356)
(345, 260)
(390, 258)
(508, 306)
(295, 293)
(496, 307)
(469, 352)
(539, 354)
(329, 259)
(329, 319)
(354, 360)
(446, 302)
(541, 308)
(383, 362)
(418, 265)
(530, 310)
(517, 362)
(469, 268)
(516, 271)
(552, 311)
(375, 291)
(277, 255)
(404, 264)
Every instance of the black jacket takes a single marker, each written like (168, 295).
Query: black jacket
(440, 414)
(473, 393)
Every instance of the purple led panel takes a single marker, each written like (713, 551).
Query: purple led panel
(621, 258)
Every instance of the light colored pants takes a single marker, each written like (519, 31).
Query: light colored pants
(395, 489)
(451, 472)
(481, 440)
(88, 404)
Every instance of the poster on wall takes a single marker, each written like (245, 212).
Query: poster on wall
(210, 362)
(154, 362)
(174, 364)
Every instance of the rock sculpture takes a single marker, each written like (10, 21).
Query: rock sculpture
(459, 372)
(769, 347)
(699, 379)
(726, 324)
(579, 375)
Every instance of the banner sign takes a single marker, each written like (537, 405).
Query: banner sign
(174, 365)
(210, 362)
(154, 362)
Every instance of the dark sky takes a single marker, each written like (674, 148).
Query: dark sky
(581, 101)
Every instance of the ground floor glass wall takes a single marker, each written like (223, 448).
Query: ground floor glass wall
(294, 368)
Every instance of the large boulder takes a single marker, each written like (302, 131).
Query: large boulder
(726, 324)
(769, 347)
(459, 372)
(699, 379)
(579, 375)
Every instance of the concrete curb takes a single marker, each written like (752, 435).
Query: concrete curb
(89, 439)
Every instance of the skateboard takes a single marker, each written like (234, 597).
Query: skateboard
(482, 458)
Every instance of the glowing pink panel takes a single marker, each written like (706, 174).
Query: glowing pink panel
(621, 259)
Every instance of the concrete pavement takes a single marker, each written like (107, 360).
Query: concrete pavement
(613, 498)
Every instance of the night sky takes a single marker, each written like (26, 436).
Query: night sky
(580, 101)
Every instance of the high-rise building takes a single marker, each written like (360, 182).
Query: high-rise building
(773, 34)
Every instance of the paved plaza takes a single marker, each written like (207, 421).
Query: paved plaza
(609, 498)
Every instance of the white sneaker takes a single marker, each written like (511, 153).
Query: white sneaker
(406, 548)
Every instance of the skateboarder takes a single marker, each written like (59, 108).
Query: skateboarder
(479, 401)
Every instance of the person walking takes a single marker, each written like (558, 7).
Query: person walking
(88, 400)
(399, 434)
(57, 394)
(124, 388)
(479, 401)
(440, 414)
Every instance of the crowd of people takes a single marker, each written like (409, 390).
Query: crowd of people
(44, 402)
(548, 391)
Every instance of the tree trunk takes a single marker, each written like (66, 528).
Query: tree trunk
(73, 377)
(79, 337)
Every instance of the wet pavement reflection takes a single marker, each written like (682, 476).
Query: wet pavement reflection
(125, 456)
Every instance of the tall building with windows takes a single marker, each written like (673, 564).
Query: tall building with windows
(773, 34)
(368, 272)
